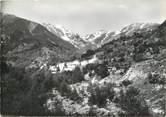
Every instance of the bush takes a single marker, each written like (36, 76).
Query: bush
(133, 103)
(3, 67)
(70, 77)
(77, 75)
(100, 94)
(58, 108)
(21, 94)
(156, 79)
(102, 70)
(64, 88)
(89, 67)
(126, 82)
(99, 69)
(87, 54)
(138, 57)
(74, 95)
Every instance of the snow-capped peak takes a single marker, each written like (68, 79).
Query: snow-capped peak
(57, 29)
(95, 40)
(130, 29)
(101, 37)
(92, 37)
(67, 35)
(98, 38)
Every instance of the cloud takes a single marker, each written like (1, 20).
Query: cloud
(122, 6)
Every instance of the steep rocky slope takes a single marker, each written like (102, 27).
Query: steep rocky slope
(25, 41)
(83, 43)
(75, 39)
(102, 37)
(95, 40)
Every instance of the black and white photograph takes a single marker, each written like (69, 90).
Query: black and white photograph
(83, 58)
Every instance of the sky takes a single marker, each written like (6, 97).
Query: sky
(88, 16)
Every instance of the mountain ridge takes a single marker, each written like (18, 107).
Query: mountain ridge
(100, 37)
(19, 33)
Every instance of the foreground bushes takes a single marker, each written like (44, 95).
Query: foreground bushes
(99, 95)
(20, 95)
(24, 93)
(132, 103)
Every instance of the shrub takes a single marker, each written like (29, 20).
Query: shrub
(64, 88)
(3, 67)
(89, 67)
(102, 70)
(99, 69)
(156, 79)
(22, 94)
(74, 95)
(77, 75)
(138, 57)
(133, 103)
(126, 82)
(58, 109)
(87, 54)
(100, 94)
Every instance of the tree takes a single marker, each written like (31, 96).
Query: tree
(88, 53)
(159, 79)
(74, 95)
(133, 103)
(64, 88)
(126, 82)
(102, 70)
(58, 108)
(77, 75)
(48, 84)
(3, 65)
(156, 79)
(100, 94)
(89, 67)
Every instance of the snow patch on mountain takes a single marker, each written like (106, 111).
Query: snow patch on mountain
(32, 26)
(138, 27)
(67, 35)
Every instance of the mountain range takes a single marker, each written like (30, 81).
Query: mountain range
(50, 70)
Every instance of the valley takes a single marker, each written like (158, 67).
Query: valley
(48, 70)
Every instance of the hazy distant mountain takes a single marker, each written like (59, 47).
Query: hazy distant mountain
(90, 41)
(75, 39)
(102, 37)
(95, 40)
(139, 28)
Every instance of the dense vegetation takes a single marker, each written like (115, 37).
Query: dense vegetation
(129, 49)
(131, 102)
(98, 69)
(99, 95)
(156, 78)
(26, 93)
